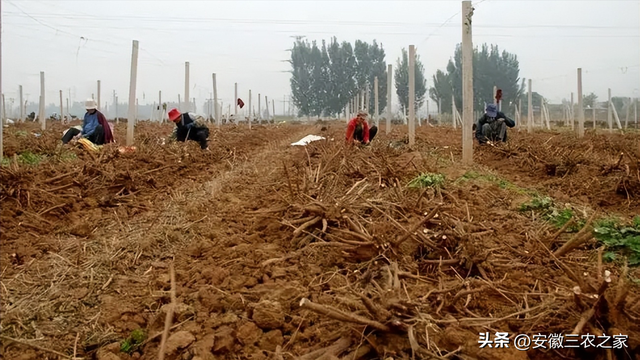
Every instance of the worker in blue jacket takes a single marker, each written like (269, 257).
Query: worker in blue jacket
(492, 126)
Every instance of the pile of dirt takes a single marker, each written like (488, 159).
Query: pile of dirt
(260, 250)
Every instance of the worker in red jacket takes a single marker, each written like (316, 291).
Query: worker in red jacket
(358, 130)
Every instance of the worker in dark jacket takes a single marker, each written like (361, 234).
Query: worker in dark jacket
(358, 130)
(95, 127)
(190, 126)
(492, 126)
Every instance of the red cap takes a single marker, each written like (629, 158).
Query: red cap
(174, 114)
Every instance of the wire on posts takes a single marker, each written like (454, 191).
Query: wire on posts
(446, 22)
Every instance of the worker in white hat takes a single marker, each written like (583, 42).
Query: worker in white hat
(95, 127)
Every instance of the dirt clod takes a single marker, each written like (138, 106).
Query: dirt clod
(179, 340)
(249, 333)
(268, 315)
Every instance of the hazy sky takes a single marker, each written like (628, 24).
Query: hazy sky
(78, 42)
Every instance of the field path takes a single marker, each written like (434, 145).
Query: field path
(101, 289)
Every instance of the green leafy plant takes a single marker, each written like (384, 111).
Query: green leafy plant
(538, 203)
(133, 341)
(427, 180)
(26, 157)
(619, 239)
(30, 158)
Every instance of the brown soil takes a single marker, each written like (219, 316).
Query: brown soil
(314, 252)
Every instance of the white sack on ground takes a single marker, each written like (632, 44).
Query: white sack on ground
(307, 139)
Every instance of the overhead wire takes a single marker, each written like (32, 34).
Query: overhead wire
(328, 32)
(623, 70)
(176, 20)
(350, 23)
(81, 37)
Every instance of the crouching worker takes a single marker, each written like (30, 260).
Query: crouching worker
(190, 126)
(95, 127)
(358, 130)
(492, 126)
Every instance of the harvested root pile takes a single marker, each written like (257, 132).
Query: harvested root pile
(316, 252)
(424, 271)
(603, 168)
(72, 227)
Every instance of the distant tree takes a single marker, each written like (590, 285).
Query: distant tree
(441, 90)
(363, 64)
(324, 79)
(302, 77)
(619, 102)
(341, 70)
(319, 80)
(370, 62)
(490, 68)
(590, 100)
(402, 81)
(379, 69)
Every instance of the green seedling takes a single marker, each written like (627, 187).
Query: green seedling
(133, 341)
(427, 180)
(537, 204)
(619, 239)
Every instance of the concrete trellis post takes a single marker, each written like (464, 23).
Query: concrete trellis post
(61, 108)
(266, 103)
(615, 116)
(99, 103)
(580, 105)
(609, 112)
(273, 107)
(259, 110)
(519, 112)
(635, 112)
(249, 107)
(427, 103)
(548, 118)
(467, 83)
(4, 110)
(161, 107)
(235, 104)
(530, 110)
(131, 118)
(572, 114)
(375, 99)
(347, 110)
(495, 92)
(187, 104)
(412, 95)
(367, 105)
(626, 120)
(43, 120)
(542, 113)
(215, 100)
(453, 111)
(21, 106)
